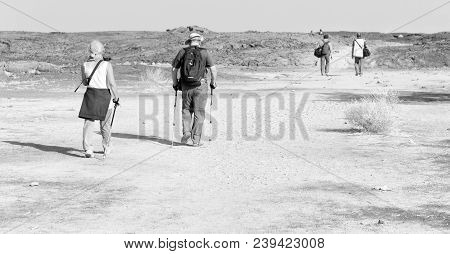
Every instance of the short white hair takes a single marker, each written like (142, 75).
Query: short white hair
(96, 47)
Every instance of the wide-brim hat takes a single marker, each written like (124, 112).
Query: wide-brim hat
(194, 36)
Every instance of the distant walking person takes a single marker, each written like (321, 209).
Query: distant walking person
(98, 76)
(326, 55)
(194, 63)
(358, 53)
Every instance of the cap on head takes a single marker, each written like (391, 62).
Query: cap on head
(96, 47)
(358, 35)
(194, 37)
(326, 36)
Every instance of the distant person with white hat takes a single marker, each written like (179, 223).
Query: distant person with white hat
(99, 99)
(194, 63)
(358, 46)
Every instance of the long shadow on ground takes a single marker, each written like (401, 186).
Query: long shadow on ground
(69, 151)
(159, 140)
(405, 96)
(425, 97)
(344, 131)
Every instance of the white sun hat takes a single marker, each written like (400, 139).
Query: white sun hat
(194, 36)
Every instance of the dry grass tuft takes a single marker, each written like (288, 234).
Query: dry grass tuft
(374, 113)
(156, 77)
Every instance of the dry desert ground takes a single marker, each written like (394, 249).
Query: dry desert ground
(319, 175)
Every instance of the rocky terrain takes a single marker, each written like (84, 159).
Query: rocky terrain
(34, 53)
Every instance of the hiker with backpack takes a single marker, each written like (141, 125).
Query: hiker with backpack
(99, 99)
(359, 51)
(326, 57)
(194, 63)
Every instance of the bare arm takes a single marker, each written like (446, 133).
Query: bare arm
(175, 77)
(213, 71)
(83, 76)
(353, 49)
(331, 50)
(111, 82)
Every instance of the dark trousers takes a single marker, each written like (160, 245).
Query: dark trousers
(358, 65)
(325, 64)
(194, 108)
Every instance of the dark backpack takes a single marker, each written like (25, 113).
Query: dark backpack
(326, 48)
(366, 51)
(318, 52)
(193, 67)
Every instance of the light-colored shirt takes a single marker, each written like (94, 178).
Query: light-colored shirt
(358, 46)
(100, 78)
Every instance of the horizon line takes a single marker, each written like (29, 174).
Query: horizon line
(247, 31)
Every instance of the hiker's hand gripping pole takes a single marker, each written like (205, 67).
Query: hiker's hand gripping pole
(116, 103)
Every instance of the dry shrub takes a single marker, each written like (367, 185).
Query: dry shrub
(156, 77)
(373, 113)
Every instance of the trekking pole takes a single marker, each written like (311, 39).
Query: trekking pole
(76, 89)
(114, 113)
(174, 111)
(210, 117)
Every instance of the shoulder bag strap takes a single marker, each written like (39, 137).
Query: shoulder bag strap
(358, 44)
(93, 71)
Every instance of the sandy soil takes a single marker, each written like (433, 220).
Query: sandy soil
(323, 184)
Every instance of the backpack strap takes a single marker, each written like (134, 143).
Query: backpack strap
(358, 44)
(93, 71)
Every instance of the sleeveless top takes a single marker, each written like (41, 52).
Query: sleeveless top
(98, 80)
(357, 50)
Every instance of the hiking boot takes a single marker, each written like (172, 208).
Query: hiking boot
(89, 154)
(185, 139)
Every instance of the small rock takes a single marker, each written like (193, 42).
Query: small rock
(382, 188)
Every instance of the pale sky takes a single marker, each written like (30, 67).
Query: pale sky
(226, 16)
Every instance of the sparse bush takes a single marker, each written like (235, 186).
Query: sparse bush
(156, 77)
(373, 113)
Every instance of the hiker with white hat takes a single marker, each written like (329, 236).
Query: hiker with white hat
(99, 99)
(194, 63)
(358, 47)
